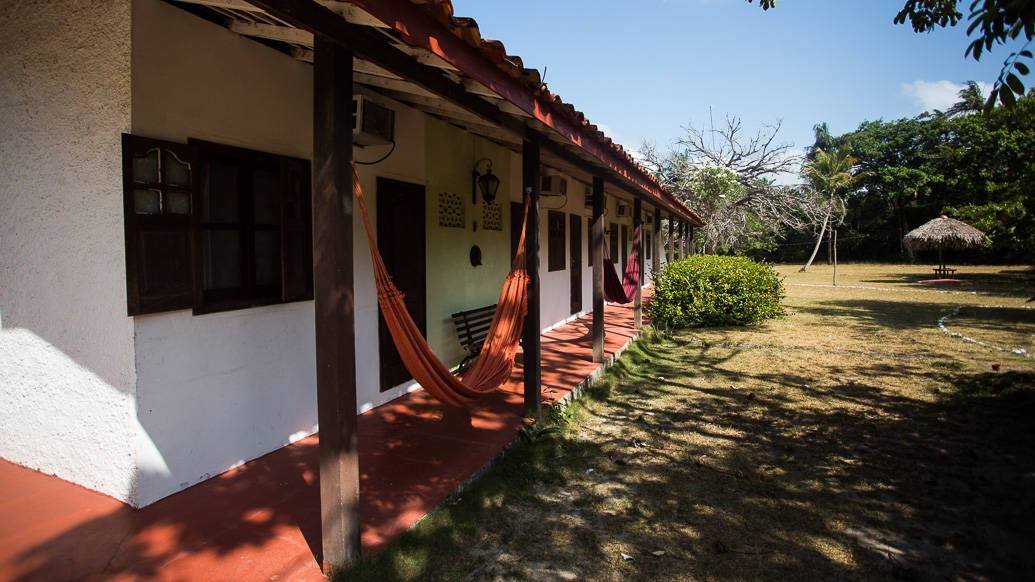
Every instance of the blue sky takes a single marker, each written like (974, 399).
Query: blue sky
(642, 69)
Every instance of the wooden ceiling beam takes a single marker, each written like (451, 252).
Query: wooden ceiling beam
(394, 84)
(352, 13)
(346, 10)
(375, 47)
(225, 4)
(272, 32)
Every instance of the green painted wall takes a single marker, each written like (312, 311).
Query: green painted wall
(453, 284)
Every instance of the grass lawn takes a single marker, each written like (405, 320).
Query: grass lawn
(852, 439)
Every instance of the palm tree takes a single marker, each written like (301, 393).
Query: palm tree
(971, 100)
(830, 174)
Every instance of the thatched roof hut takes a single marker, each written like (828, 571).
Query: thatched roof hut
(943, 233)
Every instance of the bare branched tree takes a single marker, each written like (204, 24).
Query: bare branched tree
(752, 159)
(731, 184)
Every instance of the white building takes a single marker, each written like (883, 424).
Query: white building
(158, 328)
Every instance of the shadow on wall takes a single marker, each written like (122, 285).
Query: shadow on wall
(89, 425)
(41, 328)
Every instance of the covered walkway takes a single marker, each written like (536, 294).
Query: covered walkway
(262, 521)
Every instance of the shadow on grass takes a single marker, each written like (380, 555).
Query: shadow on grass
(1005, 282)
(738, 483)
(875, 314)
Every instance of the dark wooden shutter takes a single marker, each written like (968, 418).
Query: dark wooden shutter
(624, 244)
(556, 251)
(614, 243)
(589, 243)
(158, 207)
(296, 236)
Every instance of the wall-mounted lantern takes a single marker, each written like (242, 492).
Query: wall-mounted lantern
(488, 183)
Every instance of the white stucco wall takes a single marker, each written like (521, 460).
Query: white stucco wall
(220, 389)
(142, 407)
(555, 286)
(67, 403)
(406, 164)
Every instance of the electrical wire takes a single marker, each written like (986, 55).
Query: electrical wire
(380, 159)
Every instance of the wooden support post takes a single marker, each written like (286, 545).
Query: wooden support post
(638, 244)
(658, 248)
(690, 242)
(682, 239)
(677, 241)
(670, 247)
(597, 255)
(334, 303)
(531, 347)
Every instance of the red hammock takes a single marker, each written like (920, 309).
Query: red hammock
(496, 360)
(623, 291)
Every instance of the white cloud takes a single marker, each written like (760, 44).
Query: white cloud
(633, 149)
(931, 95)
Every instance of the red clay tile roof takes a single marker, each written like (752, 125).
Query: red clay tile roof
(466, 29)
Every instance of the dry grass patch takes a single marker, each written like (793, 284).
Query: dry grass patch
(851, 440)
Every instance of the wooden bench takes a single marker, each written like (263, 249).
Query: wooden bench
(472, 326)
(942, 272)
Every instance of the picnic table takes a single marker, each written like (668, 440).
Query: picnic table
(943, 272)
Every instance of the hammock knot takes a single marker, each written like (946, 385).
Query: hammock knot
(391, 292)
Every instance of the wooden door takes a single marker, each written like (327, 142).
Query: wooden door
(613, 239)
(400, 239)
(575, 261)
(625, 246)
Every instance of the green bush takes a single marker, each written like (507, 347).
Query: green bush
(708, 290)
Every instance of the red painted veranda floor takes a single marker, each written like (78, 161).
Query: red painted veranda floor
(261, 521)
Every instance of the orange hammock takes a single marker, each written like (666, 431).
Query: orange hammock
(496, 360)
(623, 291)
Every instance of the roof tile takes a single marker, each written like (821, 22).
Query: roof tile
(494, 51)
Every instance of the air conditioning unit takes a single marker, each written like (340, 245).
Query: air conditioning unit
(553, 186)
(372, 123)
(589, 199)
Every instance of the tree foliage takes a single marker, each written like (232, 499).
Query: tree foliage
(971, 100)
(978, 168)
(831, 174)
(728, 178)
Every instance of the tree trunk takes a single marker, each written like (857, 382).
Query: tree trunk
(903, 226)
(819, 241)
(834, 240)
(830, 250)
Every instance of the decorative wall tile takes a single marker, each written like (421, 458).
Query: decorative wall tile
(492, 216)
(451, 210)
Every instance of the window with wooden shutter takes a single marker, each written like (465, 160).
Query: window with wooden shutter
(555, 250)
(296, 229)
(158, 198)
(214, 227)
(253, 229)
